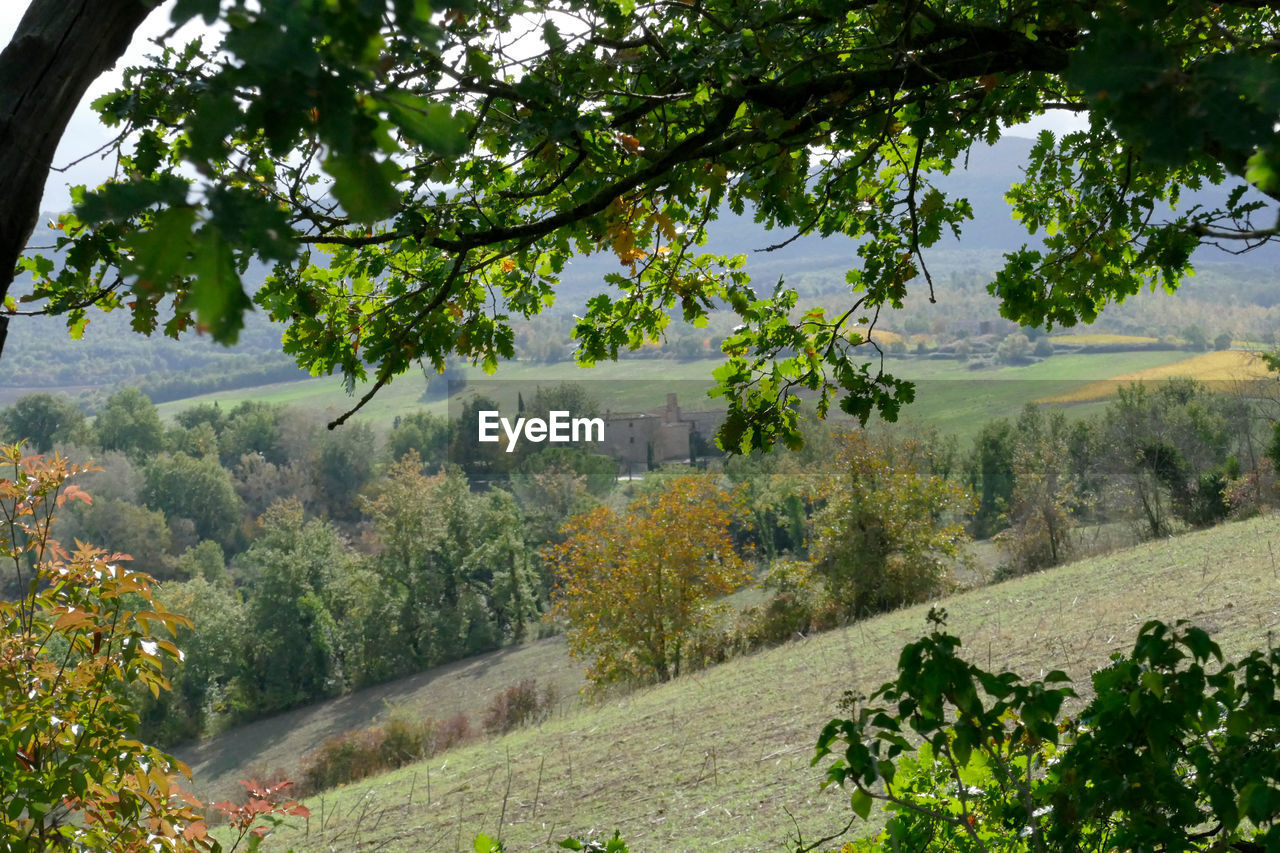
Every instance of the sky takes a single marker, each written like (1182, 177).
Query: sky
(85, 133)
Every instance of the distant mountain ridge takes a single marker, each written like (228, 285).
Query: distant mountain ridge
(39, 354)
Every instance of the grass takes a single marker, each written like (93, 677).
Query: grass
(958, 401)
(950, 396)
(277, 744)
(1220, 366)
(644, 388)
(321, 396)
(1094, 339)
(720, 760)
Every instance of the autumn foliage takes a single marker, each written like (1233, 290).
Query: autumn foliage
(637, 585)
(83, 634)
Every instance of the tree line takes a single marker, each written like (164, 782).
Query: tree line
(319, 562)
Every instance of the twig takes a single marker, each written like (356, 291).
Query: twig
(502, 815)
(538, 790)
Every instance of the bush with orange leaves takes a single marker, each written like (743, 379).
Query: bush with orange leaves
(82, 631)
(636, 586)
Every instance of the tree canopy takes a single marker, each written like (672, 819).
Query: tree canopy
(419, 176)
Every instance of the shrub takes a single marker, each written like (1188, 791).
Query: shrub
(85, 634)
(359, 754)
(450, 733)
(1248, 495)
(791, 609)
(1174, 752)
(888, 533)
(519, 705)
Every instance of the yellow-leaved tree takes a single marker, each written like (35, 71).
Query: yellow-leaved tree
(637, 585)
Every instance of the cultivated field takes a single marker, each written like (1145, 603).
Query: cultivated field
(636, 384)
(1223, 366)
(951, 396)
(720, 760)
(1102, 339)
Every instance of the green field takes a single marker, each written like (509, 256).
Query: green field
(949, 396)
(644, 388)
(958, 401)
(719, 760)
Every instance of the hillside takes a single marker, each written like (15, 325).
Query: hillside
(275, 745)
(720, 760)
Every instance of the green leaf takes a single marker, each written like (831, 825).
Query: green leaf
(485, 844)
(1153, 681)
(860, 802)
(246, 219)
(161, 254)
(217, 295)
(125, 199)
(431, 125)
(1262, 173)
(185, 10)
(210, 125)
(364, 186)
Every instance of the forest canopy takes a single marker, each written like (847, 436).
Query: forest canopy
(418, 176)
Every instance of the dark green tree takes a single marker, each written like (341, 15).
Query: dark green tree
(1041, 507)
(295, 656)
(1161, 443)
(423, 432)
(207, 691)
(989, 471)
(206, 561)
(130, 423)
(121, 526)
(1195, 337)
(344, 466)
(253, 428)
(41, 420)
(505, 563)
(199, 490)
(202, 413)
(455, 564)
(481, 462)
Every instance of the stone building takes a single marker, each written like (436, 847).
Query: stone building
(637, 439)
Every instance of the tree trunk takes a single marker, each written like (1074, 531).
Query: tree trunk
(60, 47)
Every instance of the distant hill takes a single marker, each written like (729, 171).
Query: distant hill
(39, 355)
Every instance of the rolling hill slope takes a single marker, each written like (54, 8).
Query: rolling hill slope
(719, 760)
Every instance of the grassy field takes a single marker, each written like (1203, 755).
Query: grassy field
(1222, 366)
(644, 388)
(1096, 339)
(949, 396)
(720, 760)
(958, 401)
